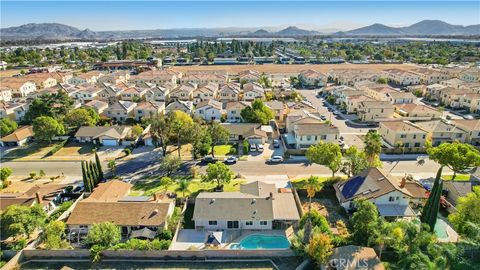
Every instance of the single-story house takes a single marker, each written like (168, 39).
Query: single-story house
(47, 195)
(393, 196)
(246, 131)
(105, 135)
(138, 216)
(257, 206)
(19, 137)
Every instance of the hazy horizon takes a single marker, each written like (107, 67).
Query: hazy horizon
(323, 15)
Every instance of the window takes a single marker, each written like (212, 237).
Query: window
(459, 135)
(417, 144)
(403, 135)
(212, 222)
(323, 137)
(232, 224)
(249, 223)
(263, 223)
(309, 138)
(391, 199)
(415, 136)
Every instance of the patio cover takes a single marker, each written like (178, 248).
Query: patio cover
(214, 238)
(388, 210)
(143, 233)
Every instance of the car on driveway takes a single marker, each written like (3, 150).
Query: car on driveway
(253, 148)
(323, 117)
(276, 143)
(260, 147)
(275, 159)
(230, 160)
(209, 159)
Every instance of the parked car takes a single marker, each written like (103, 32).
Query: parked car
(336, 113)
(78, 189)
(260, 147)
(209, 159)
(323, 117)
(276, 143)
(230, 160)
(275, 159)
(253, 148)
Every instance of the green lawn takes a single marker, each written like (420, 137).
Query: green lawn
(459, 177)
(223, 150)
(149, 187)
(34, 148)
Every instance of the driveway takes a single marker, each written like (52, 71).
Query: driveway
(110, 152)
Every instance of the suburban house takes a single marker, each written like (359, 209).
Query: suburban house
(471, 102)
(257, 206)
(138, 216)
(121, 110)
(471, 128)
(457, 189)
(19, 86)
(42, 80)
(471, 75)
(393, 196)
(134, 94)
(46, 195)
(148, 109)
(374, 111)
(5, 94)
(412, 110)
(249, 76)
(110, 93)
(402, 134)
(88, 93)
(157, 77)
(350, 77)
(353, 102)
(19, 137)
(310, 133)
(83, 78)
(158, 93)
(115, 78)
(399, 97)
(234, 110)
(251, 132)
(209, 110)
(431, 76)
(354, 257)
(105, 135)
(229, 92)
(14, 111)
(453, 83)
(402, 77)
(301, 106)
(440, 131)
(432, 92)
(183, 92)
(278, 108)
(202, 78)
(205, 92)
(97, 105)
(179, 105)
(252, 91)
(312, 78)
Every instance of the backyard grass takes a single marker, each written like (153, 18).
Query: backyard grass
(223, 150)
(73, 149)
(149, 187)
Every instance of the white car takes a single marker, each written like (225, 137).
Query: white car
(253, 148)
(230, 160)
(260, 147)
(275, 159)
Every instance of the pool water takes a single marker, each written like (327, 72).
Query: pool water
(440, 228)
(262, 241)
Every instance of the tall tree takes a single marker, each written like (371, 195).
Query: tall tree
(373, 148)
(20, 220)
(219, 135)
(7, 126)
(104, 235)
(181, 124)
(257, 113)
(355, 161)
(430, 210)
(45, 128)
(161, 131)
(99, 166)
(80, 117)
(365, 222)
(53, 105)
(170, 164)
(200, 140)
(327, 154)
(313, 185)
(468, 211)
(183, 186)
(320, 248)
(86, 181)
(218, 172)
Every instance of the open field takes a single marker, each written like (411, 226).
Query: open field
(278, 68)
(10, 72)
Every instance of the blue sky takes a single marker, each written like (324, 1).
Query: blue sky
(129, 15)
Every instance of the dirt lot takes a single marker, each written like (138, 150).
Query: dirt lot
(9, 73)
(277, 68)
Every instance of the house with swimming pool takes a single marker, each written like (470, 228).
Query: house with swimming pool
(393, 196)
(257, 206)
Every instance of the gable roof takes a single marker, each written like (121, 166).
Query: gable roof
(373, 183)
(111, 191)
(123, 105)
(402, 126)
(116, 132)
(19, 134)
(210, 103)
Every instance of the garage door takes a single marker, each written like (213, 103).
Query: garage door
(109, 142)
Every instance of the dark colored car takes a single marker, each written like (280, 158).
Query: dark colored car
(209, 159)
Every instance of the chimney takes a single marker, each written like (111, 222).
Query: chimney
(38, 197)
(403, 182)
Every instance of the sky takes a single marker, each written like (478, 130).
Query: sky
(139, 15)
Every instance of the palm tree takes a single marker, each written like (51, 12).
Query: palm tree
(183, 186)
(373, 147)
(313, 185)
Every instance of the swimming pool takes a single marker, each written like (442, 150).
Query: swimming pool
(262, 241)
(440, 228)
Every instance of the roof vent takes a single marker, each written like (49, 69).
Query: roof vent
(212, 201)
(254, 201)
(381, 178)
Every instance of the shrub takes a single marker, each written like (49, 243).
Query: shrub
(245, 147)
(233, 151)
(56, 148)
(165, 235)
(127, 151)
(33, 175)
(59, 211)
(317, 221)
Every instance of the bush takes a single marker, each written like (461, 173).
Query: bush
(59, 211)
(317, 221)
(127, 151)
(137, 244)
(233, 151)
(56, 148)
(33, 175)
(165, 235)
(245, 146)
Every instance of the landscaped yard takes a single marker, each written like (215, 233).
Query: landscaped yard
(39, 150)
(36, 149)
(459, 177)
(73, 149)
(149, 187)
(223, 150)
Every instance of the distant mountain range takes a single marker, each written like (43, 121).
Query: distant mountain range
(56, 31)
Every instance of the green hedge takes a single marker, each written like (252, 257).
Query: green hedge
(56, 148)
